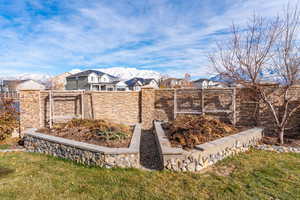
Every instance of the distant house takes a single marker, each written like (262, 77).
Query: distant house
(136, 83)
(175, 83)
(206, 83)
(59, 82)
(262, 83)
(17, 85)
(94, 80)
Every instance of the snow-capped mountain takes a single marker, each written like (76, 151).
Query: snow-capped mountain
(267, 75)
(24, 76)
(220, 78)
(121, 72)
(125, 73)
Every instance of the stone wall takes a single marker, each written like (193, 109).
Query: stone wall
(278, 149)
(164, 104)
(266, 118)
(64, 104)
(120, 107)
(149, 105)
(30, 109)
(213, 99)
(85, 153)
(135, 107)
(203, 155)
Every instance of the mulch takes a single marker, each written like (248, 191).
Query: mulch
(189, 131)
(98, 132)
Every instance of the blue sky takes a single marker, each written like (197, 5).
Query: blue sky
(169, 36)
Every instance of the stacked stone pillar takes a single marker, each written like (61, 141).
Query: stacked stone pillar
(30, 109)
(147, 108)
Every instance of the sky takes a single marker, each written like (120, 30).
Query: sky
(169, 36)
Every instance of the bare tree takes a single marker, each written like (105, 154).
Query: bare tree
(263, 51)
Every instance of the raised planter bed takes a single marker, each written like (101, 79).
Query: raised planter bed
(83, 152)
(204, 155)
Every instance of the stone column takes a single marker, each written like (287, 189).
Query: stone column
(30, 109)
(147, 107)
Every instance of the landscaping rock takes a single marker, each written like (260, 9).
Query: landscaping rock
(279, 149)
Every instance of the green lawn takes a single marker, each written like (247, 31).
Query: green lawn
(252, 175)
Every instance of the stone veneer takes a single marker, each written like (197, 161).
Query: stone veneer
(206, 154)
(83, 152)
(147, 107)
(279, 149)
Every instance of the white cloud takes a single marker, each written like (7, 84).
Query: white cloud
(95, 34)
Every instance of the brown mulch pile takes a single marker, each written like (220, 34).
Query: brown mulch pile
(99, 132)
(189, 131)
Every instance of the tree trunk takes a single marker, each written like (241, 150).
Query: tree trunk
(280, 136)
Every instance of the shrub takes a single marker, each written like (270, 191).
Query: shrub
(8, 118)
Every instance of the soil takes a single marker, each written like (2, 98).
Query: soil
(189, 131)
(98, 132)
(149, 154)
(291, 140)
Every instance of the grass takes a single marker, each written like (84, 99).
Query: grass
(252, 175)
(4, 146)
(7, 143)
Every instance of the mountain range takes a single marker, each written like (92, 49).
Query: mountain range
(123, 73)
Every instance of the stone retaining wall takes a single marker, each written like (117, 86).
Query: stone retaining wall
(85, 153)
(203, 155)
(279, 149)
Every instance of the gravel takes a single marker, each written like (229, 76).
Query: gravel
(149, 155)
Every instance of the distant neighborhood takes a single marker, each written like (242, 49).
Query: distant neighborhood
(95, 80)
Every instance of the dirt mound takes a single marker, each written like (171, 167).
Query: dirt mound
(188, 131)
(99, 132)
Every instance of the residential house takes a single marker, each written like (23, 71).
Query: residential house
(262, 83)
(59, 82)
(17, 85)
(137, 83)
(206, 83)
(95, 81)
(174, 83)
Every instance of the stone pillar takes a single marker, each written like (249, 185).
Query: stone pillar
(147, 107)
(30, 109)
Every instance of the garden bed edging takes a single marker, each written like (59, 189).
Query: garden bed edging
(278, 149)
(204, 155)
(85, 153)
